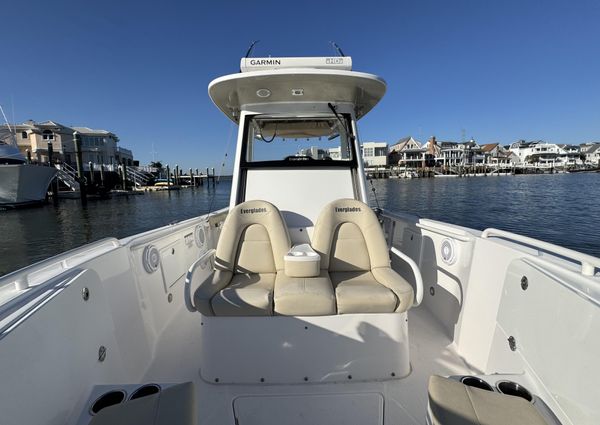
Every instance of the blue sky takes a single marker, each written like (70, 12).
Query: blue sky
(500, 71)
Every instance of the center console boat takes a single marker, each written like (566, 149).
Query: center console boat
(299, 304)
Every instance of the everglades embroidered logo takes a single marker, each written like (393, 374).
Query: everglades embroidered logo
(253, 210)
(347, 209)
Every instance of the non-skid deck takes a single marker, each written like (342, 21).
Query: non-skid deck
(405, 400)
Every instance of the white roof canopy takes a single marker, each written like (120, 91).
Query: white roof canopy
(232, 93)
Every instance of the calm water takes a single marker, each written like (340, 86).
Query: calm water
(560, 208)
(563, 209)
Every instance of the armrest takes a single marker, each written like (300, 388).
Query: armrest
(416, 272)
(200, 287)
(397, 284)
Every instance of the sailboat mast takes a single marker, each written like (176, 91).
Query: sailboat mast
(12, 132)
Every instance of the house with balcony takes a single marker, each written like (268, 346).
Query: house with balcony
(495, 154)
(97, 146)
(592, 155)
(546, 154)
(406, 152)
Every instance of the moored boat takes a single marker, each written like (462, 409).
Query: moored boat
(21, 183)
(299, 303)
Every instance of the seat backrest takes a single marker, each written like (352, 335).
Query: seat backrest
(349, 238)
(254, 239)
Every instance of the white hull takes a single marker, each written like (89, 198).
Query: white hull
(24, 183)
(83, 332)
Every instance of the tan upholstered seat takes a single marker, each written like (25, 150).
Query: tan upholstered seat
(453, 403)
(304, 296)
(352, 246)
(250, 252)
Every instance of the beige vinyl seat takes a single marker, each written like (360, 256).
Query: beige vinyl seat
(249, 257)
(304, 296)
(453, 403)
(353, 250)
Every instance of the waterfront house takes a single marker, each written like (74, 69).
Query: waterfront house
(495, 154)
(570, 155)
(97, 146)
(583, 148)
(406, 151)
(535, 152)
(592, 155)
(546, 154)
(375, 154)
(452, 154)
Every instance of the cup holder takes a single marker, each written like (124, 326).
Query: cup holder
(107, 399)
(473, 381)
(514, 389)
(145, 390)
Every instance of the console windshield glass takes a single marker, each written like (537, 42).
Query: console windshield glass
(298, 139)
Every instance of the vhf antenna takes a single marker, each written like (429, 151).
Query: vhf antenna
(337, 48)
(250, 48)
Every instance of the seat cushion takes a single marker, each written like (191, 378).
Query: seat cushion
(300, 296)
(359, 292)
(453, 403)
(246, 295)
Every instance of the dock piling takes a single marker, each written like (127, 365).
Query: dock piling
(92, 177)
(79, 160)
(54, 182)
(124, 175)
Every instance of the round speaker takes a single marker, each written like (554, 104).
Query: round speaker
(151, 259)
(200, 235)
(448, 251)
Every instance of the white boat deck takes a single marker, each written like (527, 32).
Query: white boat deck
(431, 352)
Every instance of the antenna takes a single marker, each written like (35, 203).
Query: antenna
(250, 48)
(153, 152)
(337, 48)
(462, 133)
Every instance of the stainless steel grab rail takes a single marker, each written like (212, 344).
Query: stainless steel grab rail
(588, 263)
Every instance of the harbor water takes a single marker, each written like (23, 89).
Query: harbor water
(563, 209)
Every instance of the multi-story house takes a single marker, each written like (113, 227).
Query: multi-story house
(97, 146)
(498, 155)
(407, 152)
(546, 154)
(375, 154)
(592, 154)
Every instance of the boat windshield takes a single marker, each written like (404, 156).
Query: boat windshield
(310, 141)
